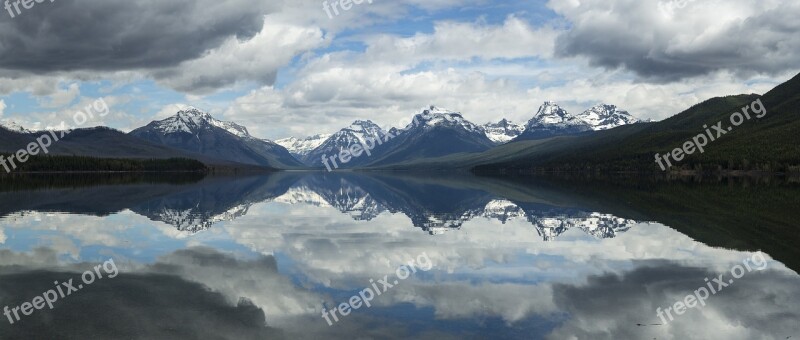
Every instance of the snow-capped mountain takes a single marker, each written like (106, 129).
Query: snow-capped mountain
(433, 117)
(551, 120)
(196, 131)
(357, 133)
(551, 114)
(14, 127)
(191, 120)
(504, 131)
(604, 117)
(434, 132)
(302, 147)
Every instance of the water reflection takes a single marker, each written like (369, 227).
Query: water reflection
(258, 257)
(433, 206)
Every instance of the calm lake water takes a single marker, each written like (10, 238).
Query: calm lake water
(263, 257)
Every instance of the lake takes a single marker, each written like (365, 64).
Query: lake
(313, 255)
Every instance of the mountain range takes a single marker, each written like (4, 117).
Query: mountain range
(434, 132)
(312, 150)
(551, 121)
(437, 132)
(768, 144)
(601, 137)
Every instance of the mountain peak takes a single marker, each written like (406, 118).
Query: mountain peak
(193, 113)
(360, 125)
(192, 110)
(434, 115)
(435, 110)
(196, 131)
(14, 127)
(550, 107)
(503, 131)
(550, 113)
(191, 119)
(605, 116)
(312, 149)
(551, 120)
(363, 129)
(503, 123)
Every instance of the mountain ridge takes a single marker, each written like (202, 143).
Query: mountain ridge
(769, 144)
(196, 131)
(434, 132)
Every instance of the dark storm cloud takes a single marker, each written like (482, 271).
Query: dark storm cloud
(692, 41)
(113, 35)
(200, 83)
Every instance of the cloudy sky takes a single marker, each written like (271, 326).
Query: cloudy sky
(286, 68)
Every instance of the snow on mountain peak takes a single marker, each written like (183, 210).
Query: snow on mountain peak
(303, 146)
(550, 113)
(14, 127)
(232, 127)
(551, 108)
(356, 133)
(503, 131)
(362, 130)
(552, 120)
(434, 110)
(193, 115)
(435, 116)
(190, 119)
(192, 111)
(604, 117)
(364, 126)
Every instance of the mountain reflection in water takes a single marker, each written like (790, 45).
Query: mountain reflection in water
(258, 257)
